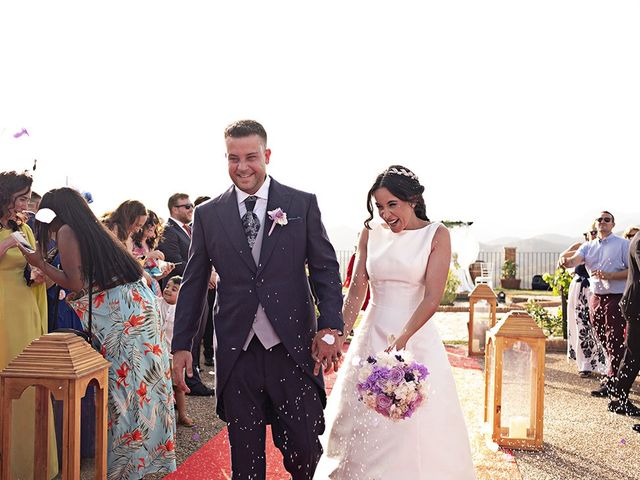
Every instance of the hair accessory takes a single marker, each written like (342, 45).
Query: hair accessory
(45, 215)
(402, 171)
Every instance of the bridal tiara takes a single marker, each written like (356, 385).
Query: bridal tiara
(402, 171)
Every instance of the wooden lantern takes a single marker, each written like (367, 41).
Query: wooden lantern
(482, 316)
(514, 382)
(62, 365)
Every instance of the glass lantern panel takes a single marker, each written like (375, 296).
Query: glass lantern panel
(490, 380)
(481, 319)
(518, 393)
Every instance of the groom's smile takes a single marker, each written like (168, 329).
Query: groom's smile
(248, 158)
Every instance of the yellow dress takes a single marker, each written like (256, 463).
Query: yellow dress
(23, 317)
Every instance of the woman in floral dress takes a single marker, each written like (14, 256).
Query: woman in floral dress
(126, 325)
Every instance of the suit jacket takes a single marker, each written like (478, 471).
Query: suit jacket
(175, 246)
(280, 282)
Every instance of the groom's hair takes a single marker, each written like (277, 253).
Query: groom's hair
(245, 128)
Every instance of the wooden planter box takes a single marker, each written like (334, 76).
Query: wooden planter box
(510, 283)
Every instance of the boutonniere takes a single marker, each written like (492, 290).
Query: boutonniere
(279, 217)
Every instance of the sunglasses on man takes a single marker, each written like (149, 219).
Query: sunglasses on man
(603, 219)
(187, 206)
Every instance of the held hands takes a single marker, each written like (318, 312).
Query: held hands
(182, 361)
(326, 350)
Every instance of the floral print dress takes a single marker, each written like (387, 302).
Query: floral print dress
(141, 422)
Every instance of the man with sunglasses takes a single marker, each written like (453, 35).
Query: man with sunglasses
(606, 260)
(177, 232)
(175, 243)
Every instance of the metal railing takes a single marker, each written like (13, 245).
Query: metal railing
(528, 264)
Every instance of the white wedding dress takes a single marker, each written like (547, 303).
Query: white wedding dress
(360, 444)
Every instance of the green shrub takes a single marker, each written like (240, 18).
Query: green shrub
(509, 269)
(450, 289)
(550, 324)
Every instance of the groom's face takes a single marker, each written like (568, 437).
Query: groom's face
(248, 158)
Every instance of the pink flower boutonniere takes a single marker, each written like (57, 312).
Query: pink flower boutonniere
(279, 217)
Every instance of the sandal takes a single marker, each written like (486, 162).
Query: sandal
(186, 421)
(584, 374)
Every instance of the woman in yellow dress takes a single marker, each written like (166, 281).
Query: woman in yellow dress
(23, 317)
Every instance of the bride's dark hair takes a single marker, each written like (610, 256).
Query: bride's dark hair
(402, 183)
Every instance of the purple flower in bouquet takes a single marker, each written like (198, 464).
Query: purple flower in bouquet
(392, 385)
(396, 375)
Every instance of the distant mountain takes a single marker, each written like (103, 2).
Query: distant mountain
(548, 242)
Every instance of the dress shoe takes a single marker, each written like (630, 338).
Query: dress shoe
(603, 391)
(636, 427)
(624, 408)
(201, 390)
(208, 362)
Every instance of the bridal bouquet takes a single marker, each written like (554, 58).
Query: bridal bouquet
(392, 384)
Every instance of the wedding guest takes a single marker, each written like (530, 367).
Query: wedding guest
(103, 276)
(127, 219)
(606, 260)
(177, 231)
(167, 313)
(32, 208)
(145, 243)
(630, 365)
(23, 318)
(175, 246)
(630, 232)
(583, 347)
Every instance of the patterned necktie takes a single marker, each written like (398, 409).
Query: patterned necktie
(187, 228)
(250, 221)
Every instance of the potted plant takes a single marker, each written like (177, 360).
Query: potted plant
(509, 279)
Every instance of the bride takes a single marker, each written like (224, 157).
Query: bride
(405, 260)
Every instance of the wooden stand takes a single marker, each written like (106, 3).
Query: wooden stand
(62, 365)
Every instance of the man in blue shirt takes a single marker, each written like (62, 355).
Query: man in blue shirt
(606, 260)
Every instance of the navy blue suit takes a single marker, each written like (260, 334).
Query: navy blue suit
(280, 283)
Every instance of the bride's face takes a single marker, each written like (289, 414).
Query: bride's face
(396, 213)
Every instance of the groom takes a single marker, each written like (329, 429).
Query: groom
(270, 349)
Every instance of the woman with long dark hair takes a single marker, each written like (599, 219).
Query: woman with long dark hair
(23, 317)
(404, 261)
(125, 322)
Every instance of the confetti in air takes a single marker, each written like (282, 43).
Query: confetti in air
(21, 133)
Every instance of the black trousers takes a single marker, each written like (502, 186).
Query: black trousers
(207, 338)
(267, 386)
(630, 364)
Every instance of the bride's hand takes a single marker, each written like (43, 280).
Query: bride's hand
(397, 344)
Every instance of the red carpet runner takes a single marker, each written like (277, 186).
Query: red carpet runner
(213, 462)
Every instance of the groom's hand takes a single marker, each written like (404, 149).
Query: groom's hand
(326, 351)
(182, 361)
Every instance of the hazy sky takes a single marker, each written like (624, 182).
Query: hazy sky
(521, 117)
